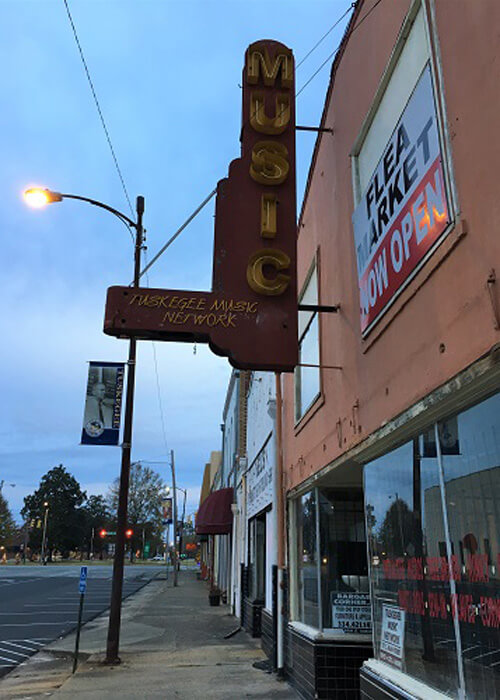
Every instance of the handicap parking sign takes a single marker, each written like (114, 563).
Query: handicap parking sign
(83, 579)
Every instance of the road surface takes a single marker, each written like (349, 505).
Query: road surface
(40, 603)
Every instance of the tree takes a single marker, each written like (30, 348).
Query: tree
(398, 530)
(65, 522)
(7, 525)
(144, 503)
(96, 516)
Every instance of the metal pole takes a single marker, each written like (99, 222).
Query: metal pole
(281, 533)
(77, 641)
(26, 534)
(44, 533)
(172, 464)
(182, 520)
(113, 640)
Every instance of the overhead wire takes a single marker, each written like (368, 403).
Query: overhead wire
(124, 187)
(320, 41)
(209, 197)
(328, 58)
(99, 110)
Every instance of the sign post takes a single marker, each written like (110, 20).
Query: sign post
(81, 587)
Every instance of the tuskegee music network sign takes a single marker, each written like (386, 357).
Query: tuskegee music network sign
(250, 315)
(403, 211)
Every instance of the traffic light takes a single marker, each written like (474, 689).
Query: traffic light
(102, 533)
(129, 533)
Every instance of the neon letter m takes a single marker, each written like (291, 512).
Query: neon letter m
(258, 60)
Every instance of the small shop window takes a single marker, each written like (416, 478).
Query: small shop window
(332, 571)
(307, 561)
(344, 568)
(307, 374)
(257, 557)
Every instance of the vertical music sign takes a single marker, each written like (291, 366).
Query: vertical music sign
(250, 315)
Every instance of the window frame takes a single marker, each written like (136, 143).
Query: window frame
(398, 300)
(299, 411)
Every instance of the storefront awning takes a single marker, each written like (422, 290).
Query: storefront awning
(215, 516)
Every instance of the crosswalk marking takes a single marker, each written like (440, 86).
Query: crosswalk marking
(18, 646)
(16, 653)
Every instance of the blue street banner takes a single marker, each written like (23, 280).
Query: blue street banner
(103, 403)
(83, 579)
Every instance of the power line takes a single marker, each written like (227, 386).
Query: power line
(155, 362)
(108, 138)
(209, 197)
(336, 50)
(351, 7)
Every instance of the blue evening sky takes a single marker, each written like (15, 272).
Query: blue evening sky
(166, 73)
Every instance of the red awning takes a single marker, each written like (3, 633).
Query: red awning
(215, 516)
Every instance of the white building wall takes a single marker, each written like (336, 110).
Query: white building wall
(261, 460)
(260, 423)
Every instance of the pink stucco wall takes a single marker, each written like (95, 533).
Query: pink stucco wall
(443, 321)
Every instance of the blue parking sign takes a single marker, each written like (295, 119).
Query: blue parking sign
(83, 579)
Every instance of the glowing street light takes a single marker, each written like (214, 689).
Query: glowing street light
(39, 197)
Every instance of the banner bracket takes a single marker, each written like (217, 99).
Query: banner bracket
(320, 129)
(320, 308)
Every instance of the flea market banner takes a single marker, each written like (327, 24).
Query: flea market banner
(250, 314)
(403, 211)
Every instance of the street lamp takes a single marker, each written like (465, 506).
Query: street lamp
(45, 518)
(39, 197)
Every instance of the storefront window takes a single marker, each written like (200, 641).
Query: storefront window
(307, 574)
(344, 569)
(257, 557)
(434, 574)
(471, 464)
(332, 571)
(413, 628)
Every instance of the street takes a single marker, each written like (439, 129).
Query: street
(40, 603)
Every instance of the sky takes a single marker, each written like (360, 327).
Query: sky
(167, 76)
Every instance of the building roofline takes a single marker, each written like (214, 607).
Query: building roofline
(336, 62)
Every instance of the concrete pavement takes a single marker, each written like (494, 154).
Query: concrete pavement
(172, 646)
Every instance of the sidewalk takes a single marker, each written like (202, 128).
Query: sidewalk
(172, 646)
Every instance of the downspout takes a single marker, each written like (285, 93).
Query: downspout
(280, 529)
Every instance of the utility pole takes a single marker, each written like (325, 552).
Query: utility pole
(172, 464)
(182, 522)
(115, 610)
(46, 505)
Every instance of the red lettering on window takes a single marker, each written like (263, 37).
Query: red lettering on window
(477, 568)
(437, 605)
(415, 569)
(455, 568)
(404, 599)
(466, 611)
(418, 603)
(394, 568)
(490, 611)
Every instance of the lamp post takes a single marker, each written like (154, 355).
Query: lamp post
(184, 491)
(45, 518)
(38, 197)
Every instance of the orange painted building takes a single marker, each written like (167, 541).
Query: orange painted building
(392, 445)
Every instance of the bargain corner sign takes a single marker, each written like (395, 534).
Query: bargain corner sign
(403, 211)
